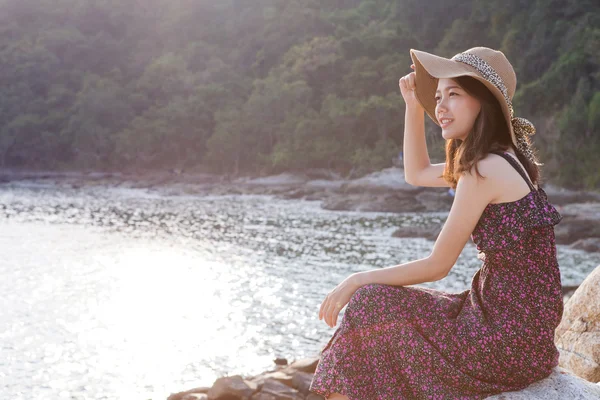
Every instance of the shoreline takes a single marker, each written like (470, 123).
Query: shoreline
(381, 191)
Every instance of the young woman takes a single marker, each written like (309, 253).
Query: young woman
(409, 342)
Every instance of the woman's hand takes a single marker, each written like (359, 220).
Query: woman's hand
(337, 299)
(407, 88)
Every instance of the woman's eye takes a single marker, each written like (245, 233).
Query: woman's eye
(436, 98)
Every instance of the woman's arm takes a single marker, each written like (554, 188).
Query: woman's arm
(472, 196)
(418, 170)
(410, 273)
(415, 155)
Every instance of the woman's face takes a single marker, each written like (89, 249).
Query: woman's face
(455, 104)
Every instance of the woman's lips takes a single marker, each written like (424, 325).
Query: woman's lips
(443, 125)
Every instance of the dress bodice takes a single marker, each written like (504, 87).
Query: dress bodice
(502, 225)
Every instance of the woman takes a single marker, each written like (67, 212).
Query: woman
(409, 342)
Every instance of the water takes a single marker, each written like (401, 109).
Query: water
(112, 293)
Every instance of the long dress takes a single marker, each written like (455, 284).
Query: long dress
(412, 342)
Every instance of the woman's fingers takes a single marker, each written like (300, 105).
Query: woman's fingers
(327, 312)
(412, 80)
(408, 82)
(333, 313)
(322, 309)
(329, 316)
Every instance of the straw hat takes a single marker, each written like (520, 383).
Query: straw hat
(488, 66)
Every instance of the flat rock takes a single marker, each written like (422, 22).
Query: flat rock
(560, 385)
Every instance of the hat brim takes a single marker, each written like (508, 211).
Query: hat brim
(429, 68)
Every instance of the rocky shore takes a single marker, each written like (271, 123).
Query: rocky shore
(291, 382)
(382, 191)
(576, 377)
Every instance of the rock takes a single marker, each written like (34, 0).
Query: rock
(578, 335)
(386, 180)
(264, 396)
(279, 390)
(373, 202)
(561, 196)
(283, 179)
(585, 210)
(304, 365)
(279, 376)
(560, 385)
(321, 173)
(318, 196)
(280, 361)
(435, 200)
(567, 291)
(181, 395)
(234, 387)
(428, 232)
(195, 396)
(591, 245)
(301, 381)
(572, 229)
(296, 193)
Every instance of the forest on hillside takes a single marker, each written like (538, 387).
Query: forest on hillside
(266, 86)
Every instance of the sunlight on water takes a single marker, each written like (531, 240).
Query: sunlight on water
(114, 293)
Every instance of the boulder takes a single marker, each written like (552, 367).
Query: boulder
(232, 387)
(273, 389)
(559, 385)
(578, 335)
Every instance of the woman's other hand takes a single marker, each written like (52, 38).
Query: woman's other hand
(337, 299)
(407, 88)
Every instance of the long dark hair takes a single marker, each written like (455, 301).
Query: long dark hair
(490, 133)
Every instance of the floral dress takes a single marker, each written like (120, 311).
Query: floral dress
(411, 342)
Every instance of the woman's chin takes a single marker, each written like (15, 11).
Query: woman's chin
(450, 135)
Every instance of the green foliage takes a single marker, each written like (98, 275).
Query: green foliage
(273, 85)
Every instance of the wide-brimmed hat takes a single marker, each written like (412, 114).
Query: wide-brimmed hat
(488, 66)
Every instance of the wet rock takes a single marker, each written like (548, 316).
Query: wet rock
(591, 245)
(369, 202)
(435, 200)
(428, 232)
(571, 229)
(561, 196)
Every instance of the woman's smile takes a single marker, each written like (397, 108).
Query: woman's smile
(444, 122)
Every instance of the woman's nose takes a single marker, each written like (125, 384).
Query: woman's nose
(441, 106)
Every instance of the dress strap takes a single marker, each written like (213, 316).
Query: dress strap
(517, 166)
